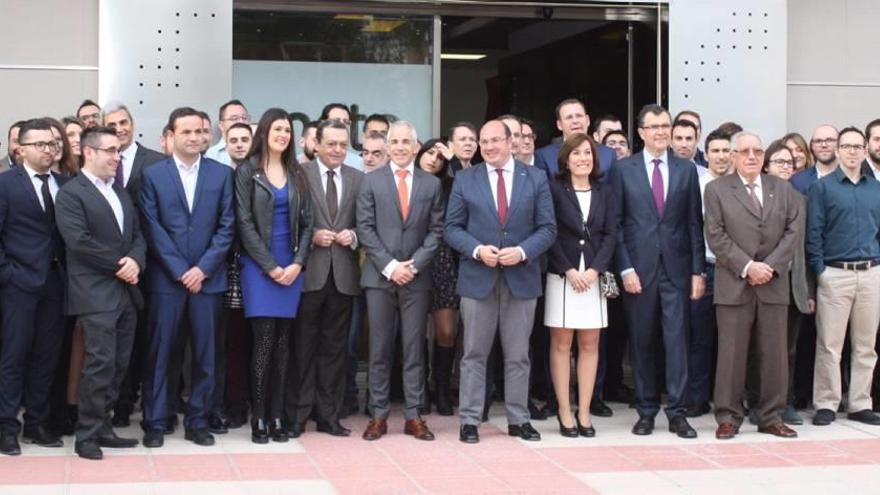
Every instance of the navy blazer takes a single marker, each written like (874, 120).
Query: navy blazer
(802, 180)
(26, 241)
(472, 220)
(179, 240)
(644, 240)
(547, 159)
(593, 237)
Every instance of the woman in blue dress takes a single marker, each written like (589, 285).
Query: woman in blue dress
(274, 227)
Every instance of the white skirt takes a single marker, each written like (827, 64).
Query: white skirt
(565, 308)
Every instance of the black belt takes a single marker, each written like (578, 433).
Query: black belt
(854, 265)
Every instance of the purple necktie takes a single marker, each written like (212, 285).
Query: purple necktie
(657, 187)
(120, 172)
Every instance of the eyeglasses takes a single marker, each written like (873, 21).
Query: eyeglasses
(758, 152)
(825, 142)
(657, 127)
(43, 145)
(111, 150)
(783, 163)
(238, 118)
(851, 147)
(528, 137)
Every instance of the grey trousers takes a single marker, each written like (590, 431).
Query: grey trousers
(498, 312)
(382, 308)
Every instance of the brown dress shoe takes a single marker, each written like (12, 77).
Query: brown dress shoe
(375, 429)
(726, 431)
(418, 428)
(779, 430)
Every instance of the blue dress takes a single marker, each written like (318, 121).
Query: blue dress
(263, 297)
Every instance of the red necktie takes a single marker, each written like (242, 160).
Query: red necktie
(501, 194)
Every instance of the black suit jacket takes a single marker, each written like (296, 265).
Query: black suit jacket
(142, 158)
(26, 239)
(95, 245)
(595, 237)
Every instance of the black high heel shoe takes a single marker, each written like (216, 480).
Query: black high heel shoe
(566, 431)
(259, 432)
(585, 431)
(277, 431)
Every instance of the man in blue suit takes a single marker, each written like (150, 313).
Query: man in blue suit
(571, 117)
(186, 201)
(823, 144)
(499, 279)
(661, 259)
(31, 288)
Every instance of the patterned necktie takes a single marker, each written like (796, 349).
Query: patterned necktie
(751, 187)
(403, 193)
(657, 187)
(501, 194)
(332, 201)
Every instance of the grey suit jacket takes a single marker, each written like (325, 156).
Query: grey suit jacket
(386, 237)
(737, 233)
(4, 164)
(803, 281)
(344, 260)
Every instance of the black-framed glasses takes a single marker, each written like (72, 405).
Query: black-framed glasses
(43, 145)
(782, 163)
(111, 150)
(851, 147)
(826, 141)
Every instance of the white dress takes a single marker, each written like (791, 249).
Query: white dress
(565, 308)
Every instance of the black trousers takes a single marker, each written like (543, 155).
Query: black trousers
(109, 337)
(320, 341)
(32, 331)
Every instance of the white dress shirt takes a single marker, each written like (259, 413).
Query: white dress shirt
(337, 179)
(126, 161)
(392, 265)
(189, 175)
(38, 184)
(506, 171)
(705, 179)
(106, 190)
(760, 194)
(664, 170)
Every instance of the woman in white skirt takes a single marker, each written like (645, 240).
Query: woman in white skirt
(584, 247)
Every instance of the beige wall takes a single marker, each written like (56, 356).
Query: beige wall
(833, 75)
(46, 33)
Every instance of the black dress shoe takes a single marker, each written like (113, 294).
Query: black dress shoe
(9, 444)
(524, 431)
(644, 426)
(697, 410)
(218, 424)
(600, 409)
(41, 436)
(585, 431)
(120, 420)
(88, 449)
(682, 428)
(112, 441)
(199, 436)
(154, 439)
(568, 432)
(865, 416)
(277, 431)
(259, 432)
(535, 412)
(824, 417)
(333, 428)
(469, 434)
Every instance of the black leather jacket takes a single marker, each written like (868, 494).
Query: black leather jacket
(254, 207)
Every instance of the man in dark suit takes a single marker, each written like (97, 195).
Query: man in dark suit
(823, 144)
(463, 143)
(133, 158)
(500, 241)
(661, 258)
(186, 202)
(751, 226)
(330, 285)
(105, 256)
(31, 289)
(10, 161)
(399, 224)
(571, 117)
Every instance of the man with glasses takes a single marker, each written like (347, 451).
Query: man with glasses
(823, 144)
(232, 112)
(751, 226)
(571, 117)
(31, 289)
(89, 113)
(843, 224)
(106, 254)
(660, 256)
(11, 160)
(527, 144)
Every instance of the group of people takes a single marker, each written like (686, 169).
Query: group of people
(245, 273)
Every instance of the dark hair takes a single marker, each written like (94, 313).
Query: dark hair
(692, 114)
(851, 129)
(615, 133)
(179, 113)
(802, 144)
(259, 152)
(14, 125)
(573, 141)
(228, 104)
(311, 125)
(443, 173)
(569, 101)
(241, 125)
(870, 127)
(686, 123)
(715, 136)
(204, 115)
(67, 164)
(377, 117)
(528, 122)
(86, 103)
(775, 147)
(329, 124)
(651, 108)
(605, 118)
(91, 137)
(729, 129)
(26, 126)
(466, 125)
(72, 120)
(375, 135)
(325, 113)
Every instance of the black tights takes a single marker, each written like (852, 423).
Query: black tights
(271, 345)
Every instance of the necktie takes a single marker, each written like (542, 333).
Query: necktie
(403, 193)
(120, 172)
(657, 187)
(501, 194)
(751, 187)
(48, 204)
(332, 201)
